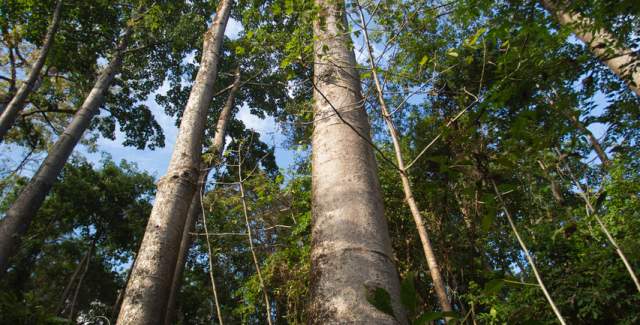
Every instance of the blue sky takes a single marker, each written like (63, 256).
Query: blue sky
(157, 161)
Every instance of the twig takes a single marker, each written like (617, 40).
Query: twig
(527, 255)
(441, 132)
(590, 210)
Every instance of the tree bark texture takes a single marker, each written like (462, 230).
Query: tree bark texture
(11, 111)
(148, 289)
(601, 43)
(350, 248)
(24, 208)
(195, 209)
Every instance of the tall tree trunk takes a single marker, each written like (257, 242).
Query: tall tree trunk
(195, 210)
(601, 43)
(10, 113)
(19, 215)
(432, 263)
(148, 289)
(350, 248)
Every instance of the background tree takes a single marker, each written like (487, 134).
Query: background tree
(105, 207)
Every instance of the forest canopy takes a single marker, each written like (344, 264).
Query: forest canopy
(319, 162)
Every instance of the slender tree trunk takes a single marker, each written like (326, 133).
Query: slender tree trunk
(148, 289)
(72, 308)
(72, 280)
(601, 43)
(525, 250)
(432, 263)
(194, 209)
(116, 306)
(19, 215)
(245, 210)
(591, 210)
(211, 277)
(10, 113)
(350, 248)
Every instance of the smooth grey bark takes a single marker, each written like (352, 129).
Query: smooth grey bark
(350, 247)
(23, 209)
(147, 292)
(432, 262)
(601, 43)
(217, 147)
(11, 111)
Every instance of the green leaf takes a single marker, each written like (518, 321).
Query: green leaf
(408, 294)
(492, 287)
(276, 9)
(474, 39)
(487, 221)
(424, 60)
(288, 7)
(239, 50)
(57, 320)
(380, 298)
(453, 54)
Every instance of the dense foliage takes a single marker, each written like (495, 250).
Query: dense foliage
(482, 92)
